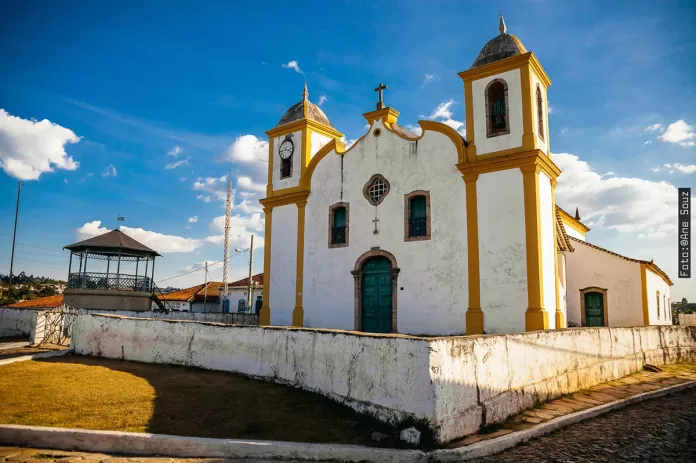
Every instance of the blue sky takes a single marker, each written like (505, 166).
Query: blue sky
(126, 83)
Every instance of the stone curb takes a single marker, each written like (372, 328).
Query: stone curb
(143, 444)
(502, 443)
(14, 345)
(41, 355)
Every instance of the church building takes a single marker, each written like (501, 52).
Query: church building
(436, 234)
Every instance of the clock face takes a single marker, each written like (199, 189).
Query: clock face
(286, 149)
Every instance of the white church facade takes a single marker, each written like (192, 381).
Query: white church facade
(436, 234)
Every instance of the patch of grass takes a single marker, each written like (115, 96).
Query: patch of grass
(93, 393)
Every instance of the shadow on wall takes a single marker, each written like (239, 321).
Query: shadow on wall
(138, 397)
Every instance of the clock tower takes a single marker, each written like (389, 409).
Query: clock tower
(302, 131)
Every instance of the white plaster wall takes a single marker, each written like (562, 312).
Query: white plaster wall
(572, 232)
(502, 251)
(283, 264)
(317, 141)
(587, 267)
(235, 294)
(543, 146)
(547, 216)
(563, 285)
(16, 322)
(294, 179)
(231, 318)
(656, 283)
(502, 142)
(433, 273)
(445, 383)
(183, 306)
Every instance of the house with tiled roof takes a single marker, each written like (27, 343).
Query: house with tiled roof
(605, 288)
(49, 302)
(207, 297)
(238, 295)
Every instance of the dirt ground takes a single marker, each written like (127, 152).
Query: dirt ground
(93, 393)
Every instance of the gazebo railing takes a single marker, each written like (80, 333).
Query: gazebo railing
(110, 281)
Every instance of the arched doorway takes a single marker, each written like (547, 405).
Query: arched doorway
(375, 277)
(593, 306)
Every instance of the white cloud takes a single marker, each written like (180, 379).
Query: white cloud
(648, 142)
(248, 184)
(241, 229)
(679, 132)
(443, 113)
(175, 151)
(564, 130)
(174, 165)
(249, 150)
(427, 78)
(193, 219)
(157, 241)
(90, 174)
(623, 204)
(29, 148)
(65, 180)
(551, 110)
(204, 198)
(322, 100)
(414, 128)
(654, 127)
(110, 171)
(684, 169)
(214, 185)
(248, 207)
(293, 65)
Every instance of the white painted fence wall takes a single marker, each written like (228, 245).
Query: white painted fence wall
(444, 383)
(687, 319)
(214, 317)
(16, 322)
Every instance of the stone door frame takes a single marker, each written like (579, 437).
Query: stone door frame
(357, 273)
(605, 303)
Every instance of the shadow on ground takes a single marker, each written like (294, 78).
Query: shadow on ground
(97, 393)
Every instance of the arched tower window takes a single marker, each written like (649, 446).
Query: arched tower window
(286, 167)
(540, 111)
(497, 109)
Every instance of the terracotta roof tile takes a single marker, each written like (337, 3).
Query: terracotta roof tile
(562, 238)
(48, 302)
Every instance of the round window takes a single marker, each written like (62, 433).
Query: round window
(376, 189)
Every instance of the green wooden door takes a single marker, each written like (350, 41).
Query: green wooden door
(594, 309)
(376, 297)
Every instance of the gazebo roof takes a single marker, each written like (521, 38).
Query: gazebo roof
(113, 242)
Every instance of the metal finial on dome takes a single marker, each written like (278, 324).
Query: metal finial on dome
(501, 25)
(305, 93)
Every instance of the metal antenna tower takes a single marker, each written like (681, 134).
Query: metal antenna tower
(228, 209)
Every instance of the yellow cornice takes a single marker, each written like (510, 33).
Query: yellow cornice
(304, 124)
(387, 115)
(573, 223)
(507, 64)
(286, 196)
(525, 160)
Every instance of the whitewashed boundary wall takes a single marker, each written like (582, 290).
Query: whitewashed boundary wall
(448, 386)
(687, 319)
(232, 318)
(16, 322)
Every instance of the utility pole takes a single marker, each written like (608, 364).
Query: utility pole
(228, 209)
(205, 289)
(251, 253)
(14, 236)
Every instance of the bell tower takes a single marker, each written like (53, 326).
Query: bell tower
(302, 131)
(511, 181)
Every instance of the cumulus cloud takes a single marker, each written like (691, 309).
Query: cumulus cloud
(427, 78)
(676, 167)
(110, 171)
(654, 127)
(624, 204)
(193, 219)
(174, 165)
(29, 148)
(443, 113)
(241, 228)
(294, 65)
(217, 186)
(679, 132)
(204, 198)
(414, 128)
(248, 184)
(160, 242)
(175, 151)
(248, 149)
(322, 100)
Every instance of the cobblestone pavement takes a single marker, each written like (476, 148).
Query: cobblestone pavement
(655, 431)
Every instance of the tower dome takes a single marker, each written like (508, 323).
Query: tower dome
(503, 46)
(304, 109)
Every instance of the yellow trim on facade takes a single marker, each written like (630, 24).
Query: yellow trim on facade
(271, 147)
(533, 158)
(474, 314)
(536, 318)
(573, 223)
(507, 64)
(560, 321)
(469, 110)
(657, 271)
(298, 311)
(291, 197)
(265, 310)
(387, 115)
(644, 287)
(301, 124)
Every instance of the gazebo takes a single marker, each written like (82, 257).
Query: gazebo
(107, 286)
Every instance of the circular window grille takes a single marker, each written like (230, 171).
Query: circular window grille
(376, 189)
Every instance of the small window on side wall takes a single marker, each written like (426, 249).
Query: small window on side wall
(540, 111)
(658, 305)
(338, 225)
(497, 109)
(417, 216)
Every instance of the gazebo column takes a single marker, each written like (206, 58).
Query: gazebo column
(118, 272)
(152, 278)
(108, 261)
(84, 272)
(135, 284)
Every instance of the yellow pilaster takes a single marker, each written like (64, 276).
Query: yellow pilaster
(265, 310)
(536, 318)
(644, 287)
(298, 311)
(529, 139)
(560, 319)
(474, 314)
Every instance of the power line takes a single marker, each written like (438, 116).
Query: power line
(199, 269)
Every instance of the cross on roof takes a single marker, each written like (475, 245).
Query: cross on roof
(380, 88)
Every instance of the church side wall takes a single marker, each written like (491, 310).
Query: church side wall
(294, 179)
(548, 246)
(316, 141)
(502, 142)
(502, 251)
(587, 267)
(656, 283)
(432, 291)
(563, 284)
(283, 264)
(574, 233)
